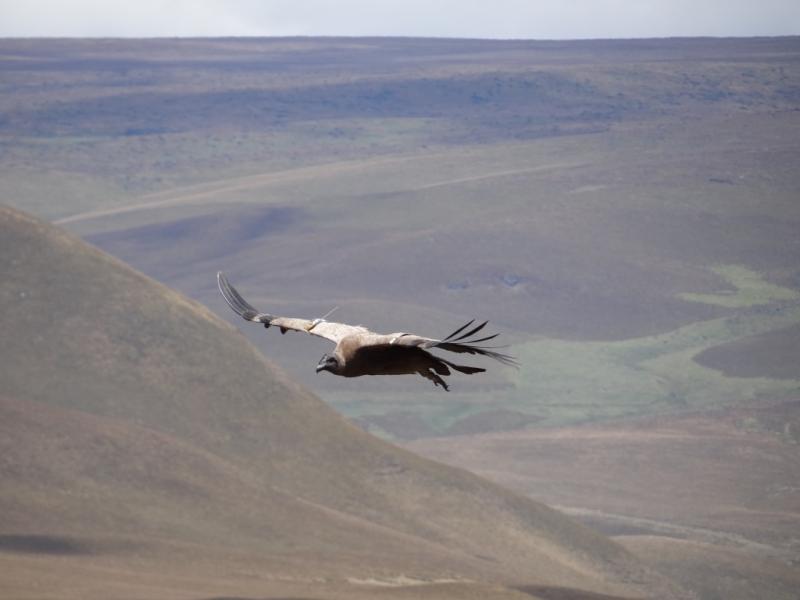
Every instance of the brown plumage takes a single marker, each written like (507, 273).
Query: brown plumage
(360, 351)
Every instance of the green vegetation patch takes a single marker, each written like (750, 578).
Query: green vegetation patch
(566, 381)
(750, 289)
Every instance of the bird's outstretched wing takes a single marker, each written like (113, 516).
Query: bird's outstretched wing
(319, 327)
(455, 342)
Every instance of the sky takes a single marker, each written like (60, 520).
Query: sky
(499, 19)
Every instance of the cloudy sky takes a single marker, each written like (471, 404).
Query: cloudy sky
(536, 19)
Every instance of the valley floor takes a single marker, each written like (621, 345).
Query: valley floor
(709, 498)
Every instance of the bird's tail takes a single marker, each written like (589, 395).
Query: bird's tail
(462, 368)
(464, 342)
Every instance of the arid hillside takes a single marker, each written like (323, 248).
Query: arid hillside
(140, 434)
(709, 497)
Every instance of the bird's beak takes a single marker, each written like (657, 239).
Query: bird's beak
(320, 367)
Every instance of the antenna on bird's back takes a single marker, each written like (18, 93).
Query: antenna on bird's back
(329, 313)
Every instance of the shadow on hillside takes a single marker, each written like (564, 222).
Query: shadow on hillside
(546, 592)
(43, 544)
(281, 598)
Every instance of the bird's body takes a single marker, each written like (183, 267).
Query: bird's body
(386, 360)
(360, 351)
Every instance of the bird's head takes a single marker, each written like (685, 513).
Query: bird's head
(328, 363)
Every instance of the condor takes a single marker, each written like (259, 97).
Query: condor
(360, 351)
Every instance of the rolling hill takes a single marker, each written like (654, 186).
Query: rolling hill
(142, 437)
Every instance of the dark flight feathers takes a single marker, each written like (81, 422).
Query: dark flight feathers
(462, 344)
(239, 305)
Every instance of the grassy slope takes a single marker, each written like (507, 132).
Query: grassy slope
(136, 424)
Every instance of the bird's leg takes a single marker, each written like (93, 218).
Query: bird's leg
(427, 374)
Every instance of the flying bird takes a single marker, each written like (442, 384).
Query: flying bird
(360, 351)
